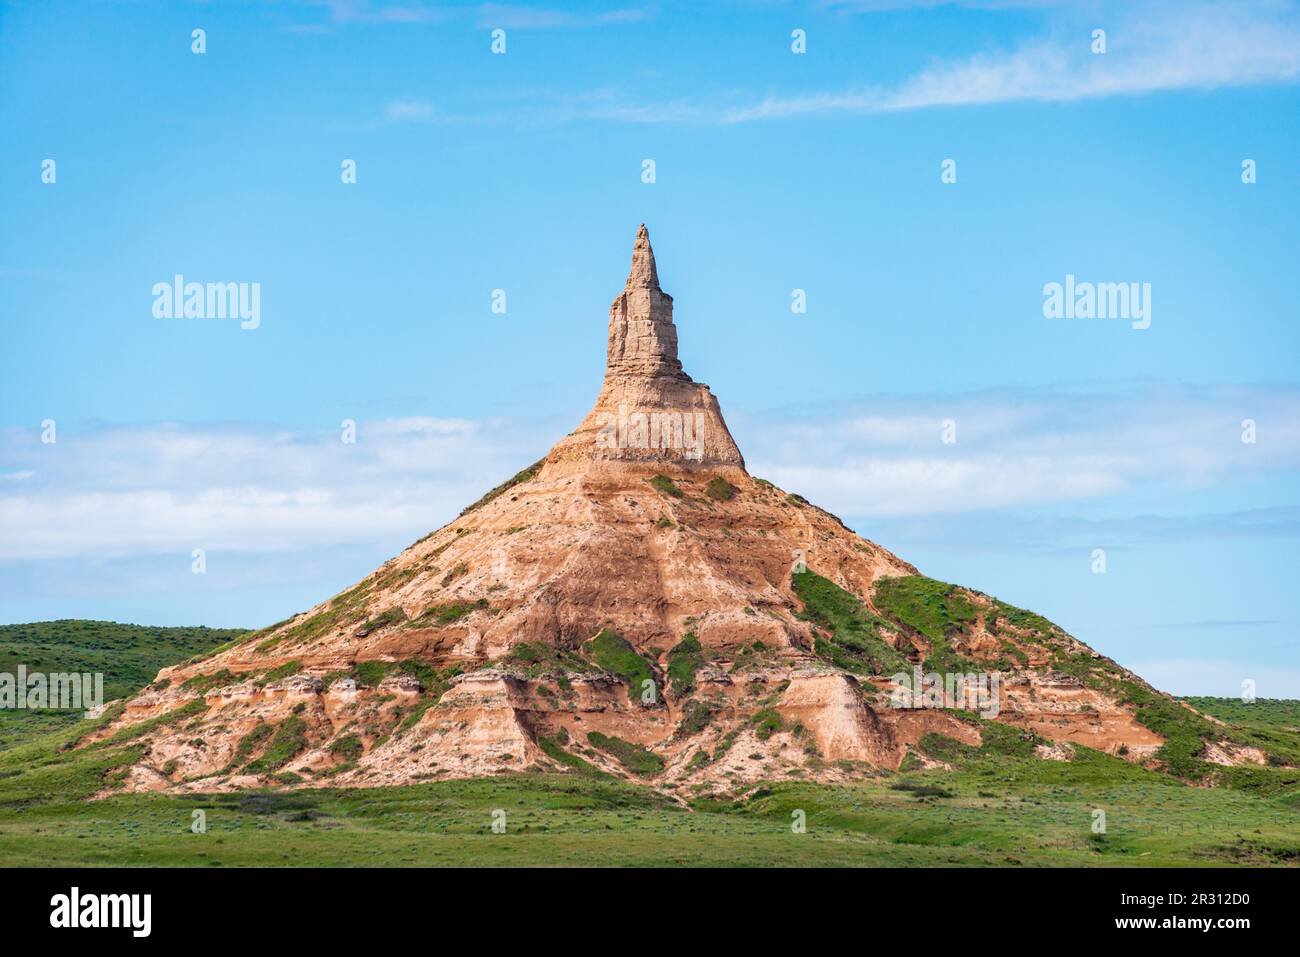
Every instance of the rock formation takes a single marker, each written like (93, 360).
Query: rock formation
(635, 603)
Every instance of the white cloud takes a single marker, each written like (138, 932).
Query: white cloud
(1150, 49)
(148, 489)
(405, 111)
(1020, 449)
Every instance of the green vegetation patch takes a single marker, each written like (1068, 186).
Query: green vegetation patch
(289, 741)
(751, 657)
(286, 670)
(191, 709)
(202, 684)
(685, 659)
(128, 656)
(767, 722)
(662, 483)
(633, 757)
(537, 658)
(612, 653)
(392, 616)
(348, 747)
(553, 747)
(720, 490)
(369, 673)
(446, 614)
(696, 717)
(854, 642)
(936, 609)
(1272, 724)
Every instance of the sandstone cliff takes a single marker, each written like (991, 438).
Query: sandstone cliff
(635, 603)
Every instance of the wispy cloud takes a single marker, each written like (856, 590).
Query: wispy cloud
(406, 111)
(1150, 49)
(147, 489)
(886, 457)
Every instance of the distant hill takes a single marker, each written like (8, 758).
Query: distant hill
(129, 656)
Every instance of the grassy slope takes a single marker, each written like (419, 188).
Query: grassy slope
(129, 657)
(997, 807)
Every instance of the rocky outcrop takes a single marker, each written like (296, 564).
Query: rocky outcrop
(472, 651)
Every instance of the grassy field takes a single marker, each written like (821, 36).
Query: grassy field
(998, 807)
(128, 656)
(999, 810)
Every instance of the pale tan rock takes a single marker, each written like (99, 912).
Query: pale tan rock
(595, 539)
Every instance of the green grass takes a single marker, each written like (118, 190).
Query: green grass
(935, 609)
(348, 747)
(634, 757)
(537, 658)
(391, 616)
(663, 483)
(767, 722)
(998, 806)
(128, 656)
(994, 808)
(554, 748)
(289, 740)
(686, 658)
(854, 641)
(720, 490)
(612, 653)
(446, 614)
(1271, 724)
(696, 716)
(369, 673)
(286, 670)
(202, 684)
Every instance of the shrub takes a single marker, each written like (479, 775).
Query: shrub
(634, 757)
(446, 614)
(390, 617)
(695, 718)
(767, 722)
(854, 643)
(683, 661)
(720, 489)
(663, 483)
(289, 741)
(202, 684)
(612, 653)
(369, 673)
(286, 670)
(348, 747)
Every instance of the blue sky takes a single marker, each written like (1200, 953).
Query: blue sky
(774, 171)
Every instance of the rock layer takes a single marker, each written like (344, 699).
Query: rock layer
(628, 605)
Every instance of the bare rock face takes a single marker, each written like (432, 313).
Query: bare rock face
(642, 337)
(649, 410)
(626, 604)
